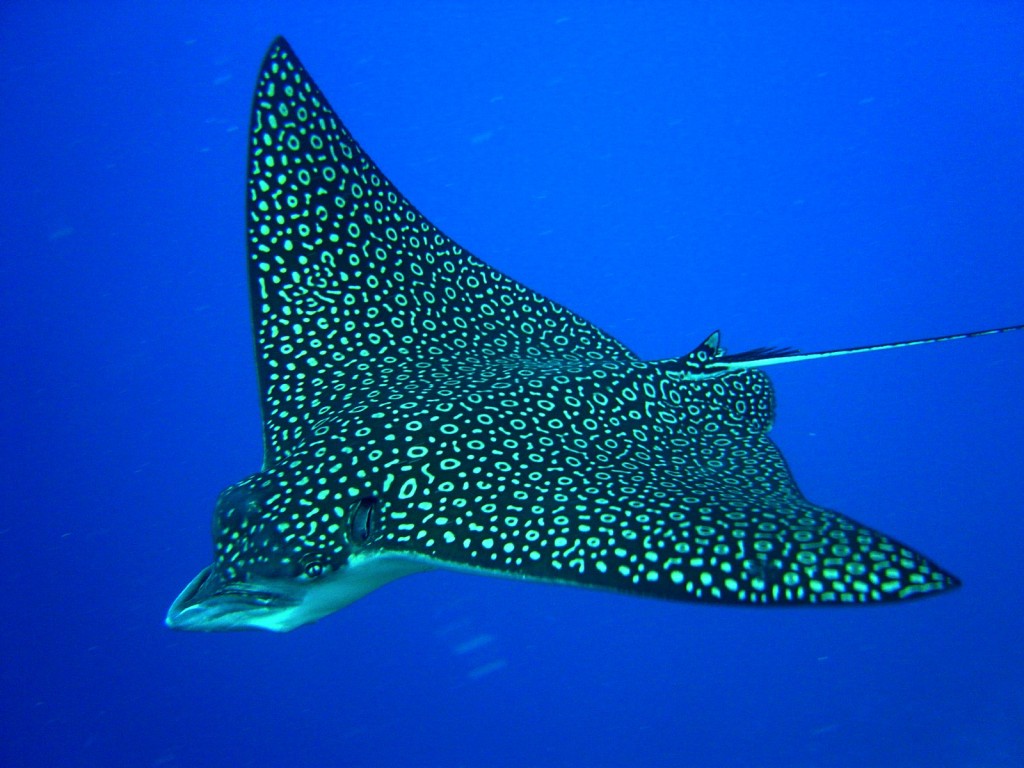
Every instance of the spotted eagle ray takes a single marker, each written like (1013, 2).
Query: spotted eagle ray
(422, 410)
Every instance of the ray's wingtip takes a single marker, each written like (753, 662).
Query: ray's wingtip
(950, 581)
(279, 44)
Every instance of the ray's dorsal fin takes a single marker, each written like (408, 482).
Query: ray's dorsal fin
(698, 362)
(765, 356)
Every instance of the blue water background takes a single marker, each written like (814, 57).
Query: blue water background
(815, 174)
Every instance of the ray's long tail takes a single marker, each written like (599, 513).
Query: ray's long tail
(765, 356)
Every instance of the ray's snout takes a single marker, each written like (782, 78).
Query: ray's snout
(210, 603)
(183, 611)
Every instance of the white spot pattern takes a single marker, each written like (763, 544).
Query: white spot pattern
(417, 401)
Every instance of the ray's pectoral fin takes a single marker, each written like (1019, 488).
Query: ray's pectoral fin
(677, 493)
(344, 271)
(796, 555)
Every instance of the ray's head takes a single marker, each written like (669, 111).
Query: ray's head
(282, 557)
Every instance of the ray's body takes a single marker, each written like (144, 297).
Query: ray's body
(423, 410)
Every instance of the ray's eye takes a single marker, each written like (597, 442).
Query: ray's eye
(314, 570)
